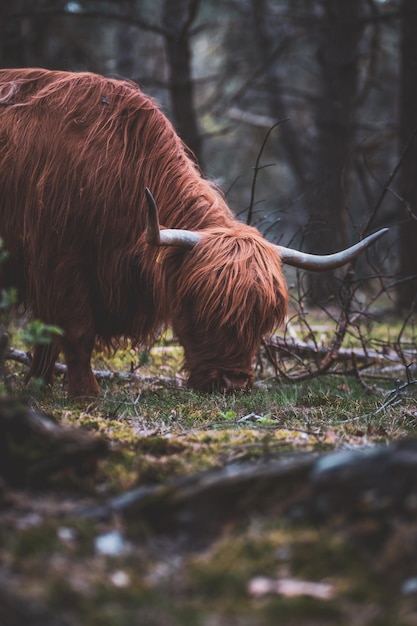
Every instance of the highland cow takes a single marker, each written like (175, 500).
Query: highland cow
(76, 154)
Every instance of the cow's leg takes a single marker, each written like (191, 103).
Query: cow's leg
(73, 313)
(63, 297)
(78, 346)
(43, 363)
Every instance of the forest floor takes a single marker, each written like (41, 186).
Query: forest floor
(294, 504)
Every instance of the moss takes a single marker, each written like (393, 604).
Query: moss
(118, 472)
(63, 596)
(296, 611)
(36, 542)
(224, 572)
(156, 434)
(159, 446)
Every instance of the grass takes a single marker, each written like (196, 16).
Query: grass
(156, 433)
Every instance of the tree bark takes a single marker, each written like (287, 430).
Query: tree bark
(124, 41)
(277, 107)
(328, 198)
(12, 39)
(407, 182)
(177, 18)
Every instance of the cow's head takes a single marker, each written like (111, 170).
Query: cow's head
(227, 290)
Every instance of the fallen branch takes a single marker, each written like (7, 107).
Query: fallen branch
(310, 350)
(198, 508)
(12, 354)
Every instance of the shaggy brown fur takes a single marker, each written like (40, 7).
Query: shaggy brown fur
(76, 153)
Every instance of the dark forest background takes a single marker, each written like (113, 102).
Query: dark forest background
(304, 111)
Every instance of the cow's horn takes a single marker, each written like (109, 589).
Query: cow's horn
(319, 263)
(189, 238)
(168, 236)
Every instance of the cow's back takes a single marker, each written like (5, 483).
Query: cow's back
(76, 153)
(68, 190)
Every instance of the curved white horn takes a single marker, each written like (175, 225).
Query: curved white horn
(189, 238)
(320, 263)
(168, 236)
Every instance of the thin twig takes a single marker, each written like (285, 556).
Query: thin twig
(258, 167)
(24, 358)
(391, 177)
(394, 397)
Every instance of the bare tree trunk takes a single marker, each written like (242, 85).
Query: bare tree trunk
(339, 37)
(266, 45)
(124, 42)
(26, 40)
(177, 17)
(407, 290)
(12, 37)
